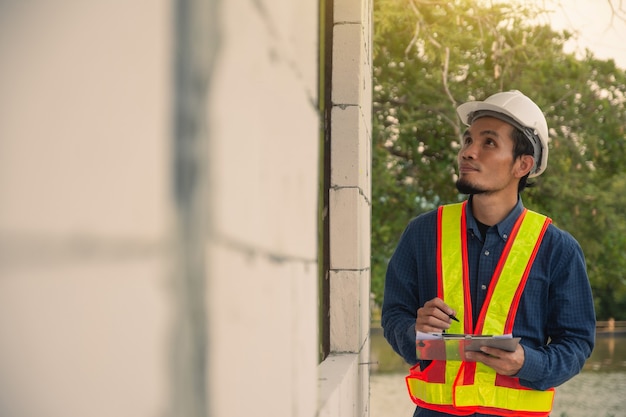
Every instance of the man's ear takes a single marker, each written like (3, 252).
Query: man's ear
(526, 163)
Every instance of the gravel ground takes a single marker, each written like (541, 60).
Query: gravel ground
(589, 394)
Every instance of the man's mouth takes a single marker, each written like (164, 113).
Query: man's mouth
(466, 168)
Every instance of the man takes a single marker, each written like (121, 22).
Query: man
(496, 267)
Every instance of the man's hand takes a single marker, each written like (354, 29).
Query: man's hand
(502, 361)
(434, 316)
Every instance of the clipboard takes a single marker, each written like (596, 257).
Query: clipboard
(444, 346)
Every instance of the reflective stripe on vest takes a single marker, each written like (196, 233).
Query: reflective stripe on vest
(462, 388)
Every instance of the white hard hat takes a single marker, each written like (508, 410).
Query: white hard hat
(515, 108)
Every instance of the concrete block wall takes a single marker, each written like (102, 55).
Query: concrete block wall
(124, 293)
(262, 242)
(350, 193)
(350, 211)
(86, 212)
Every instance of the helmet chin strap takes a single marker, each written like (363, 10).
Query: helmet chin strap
(530, 133)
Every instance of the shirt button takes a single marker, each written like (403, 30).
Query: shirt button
(505, 236)
(483, 287)
(486, 253)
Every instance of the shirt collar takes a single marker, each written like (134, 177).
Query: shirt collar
(504, 227)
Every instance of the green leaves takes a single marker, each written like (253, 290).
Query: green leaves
(430, 56)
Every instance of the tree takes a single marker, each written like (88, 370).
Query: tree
(430, 56)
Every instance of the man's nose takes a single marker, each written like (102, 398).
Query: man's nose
(468, 151)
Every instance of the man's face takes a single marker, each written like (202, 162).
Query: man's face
(486, 158)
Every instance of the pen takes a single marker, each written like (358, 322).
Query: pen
(452, 317)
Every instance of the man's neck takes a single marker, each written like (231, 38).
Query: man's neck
(491, 209)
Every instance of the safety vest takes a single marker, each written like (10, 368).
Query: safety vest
(462, 388)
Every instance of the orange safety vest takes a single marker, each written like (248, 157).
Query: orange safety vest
(463, 388)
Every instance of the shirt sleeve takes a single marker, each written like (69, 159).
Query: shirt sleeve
(570, 322)
(400, 302)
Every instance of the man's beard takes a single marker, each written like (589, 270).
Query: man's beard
(465, 187)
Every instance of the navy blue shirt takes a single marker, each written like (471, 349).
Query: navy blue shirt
(555, 319)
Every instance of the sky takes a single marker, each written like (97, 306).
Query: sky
(599, 29)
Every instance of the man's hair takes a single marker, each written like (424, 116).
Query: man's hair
(521, 146)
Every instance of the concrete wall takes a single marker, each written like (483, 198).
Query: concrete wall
(159, 171)
(86, 213)
(262, 247)
(347, 369)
